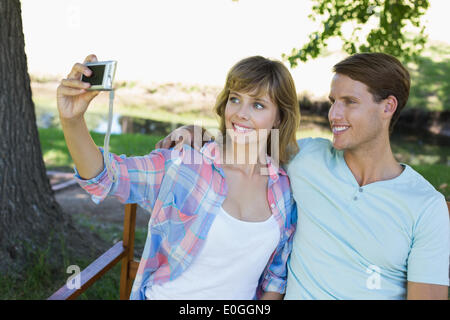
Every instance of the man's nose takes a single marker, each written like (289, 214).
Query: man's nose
(336, 111)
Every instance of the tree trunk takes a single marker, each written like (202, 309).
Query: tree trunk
(30, 218)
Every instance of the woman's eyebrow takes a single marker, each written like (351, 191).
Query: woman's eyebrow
(253, 97)
(262, 100)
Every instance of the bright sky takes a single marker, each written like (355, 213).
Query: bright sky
(192, 41)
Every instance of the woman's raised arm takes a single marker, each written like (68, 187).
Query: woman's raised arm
(73, 100)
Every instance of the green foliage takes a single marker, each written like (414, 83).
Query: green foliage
(388, 34)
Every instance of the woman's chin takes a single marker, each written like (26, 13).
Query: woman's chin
(243, 139)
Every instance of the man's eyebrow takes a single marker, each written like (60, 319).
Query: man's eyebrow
(344, 98)
(350, 98)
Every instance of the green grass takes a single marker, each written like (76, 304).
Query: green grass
(56, 154)
(430, 83)
(41, 278)
(33, 286)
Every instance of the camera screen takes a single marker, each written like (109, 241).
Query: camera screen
(97, 75)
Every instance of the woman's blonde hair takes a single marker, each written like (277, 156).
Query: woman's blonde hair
(258, 75)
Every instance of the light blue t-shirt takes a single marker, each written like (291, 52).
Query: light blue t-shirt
(365, 242)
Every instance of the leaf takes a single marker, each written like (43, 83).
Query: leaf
(387, 36)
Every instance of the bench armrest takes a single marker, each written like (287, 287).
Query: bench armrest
(92, 272)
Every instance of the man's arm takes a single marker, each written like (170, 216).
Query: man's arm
(272, 296)
(428, 260)
(426, 291)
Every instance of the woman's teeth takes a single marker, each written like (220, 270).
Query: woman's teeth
(241, 129)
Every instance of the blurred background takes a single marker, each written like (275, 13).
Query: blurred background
(173, 57)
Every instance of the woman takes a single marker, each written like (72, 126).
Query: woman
(220, 227)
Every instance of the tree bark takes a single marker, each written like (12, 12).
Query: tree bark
(30, 218)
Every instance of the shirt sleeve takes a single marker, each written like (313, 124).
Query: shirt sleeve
(138, 178)
(276, 277)
(428, 260)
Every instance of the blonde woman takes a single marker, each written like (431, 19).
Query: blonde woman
(219, 228)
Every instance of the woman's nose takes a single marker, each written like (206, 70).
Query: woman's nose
(243, 112)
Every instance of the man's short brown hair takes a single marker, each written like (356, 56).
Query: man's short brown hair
(383, 74)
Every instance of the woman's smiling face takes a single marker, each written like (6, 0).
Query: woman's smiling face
(247, 115)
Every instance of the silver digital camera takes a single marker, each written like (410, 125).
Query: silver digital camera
(102, 75)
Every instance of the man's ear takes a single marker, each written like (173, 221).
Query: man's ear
(390, 106)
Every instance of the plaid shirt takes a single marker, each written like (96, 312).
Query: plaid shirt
(184, 190)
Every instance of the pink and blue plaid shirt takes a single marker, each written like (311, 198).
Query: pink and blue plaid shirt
(183, 190)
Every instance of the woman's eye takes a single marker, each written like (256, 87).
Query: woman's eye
(258, 106)
(234, 99)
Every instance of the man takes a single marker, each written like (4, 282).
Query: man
(368, 226)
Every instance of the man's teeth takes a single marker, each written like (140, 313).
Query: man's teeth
(339, 129)
(241, 129)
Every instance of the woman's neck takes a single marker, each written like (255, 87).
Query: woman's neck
(246, 158)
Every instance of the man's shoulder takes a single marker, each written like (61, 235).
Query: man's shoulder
(311, 143)
(418, 184)
(421, 193)
(311, 148)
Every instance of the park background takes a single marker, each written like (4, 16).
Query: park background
(173, 57)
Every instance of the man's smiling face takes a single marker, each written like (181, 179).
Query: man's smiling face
(355, 118)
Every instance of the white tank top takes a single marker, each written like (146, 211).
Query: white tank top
(229, 265)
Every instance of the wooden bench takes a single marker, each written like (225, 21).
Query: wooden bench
(122, 251)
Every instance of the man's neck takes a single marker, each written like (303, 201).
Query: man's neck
(373, 163)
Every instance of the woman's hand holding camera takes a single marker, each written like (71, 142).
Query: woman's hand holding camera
(73, 100)
(72, 96)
